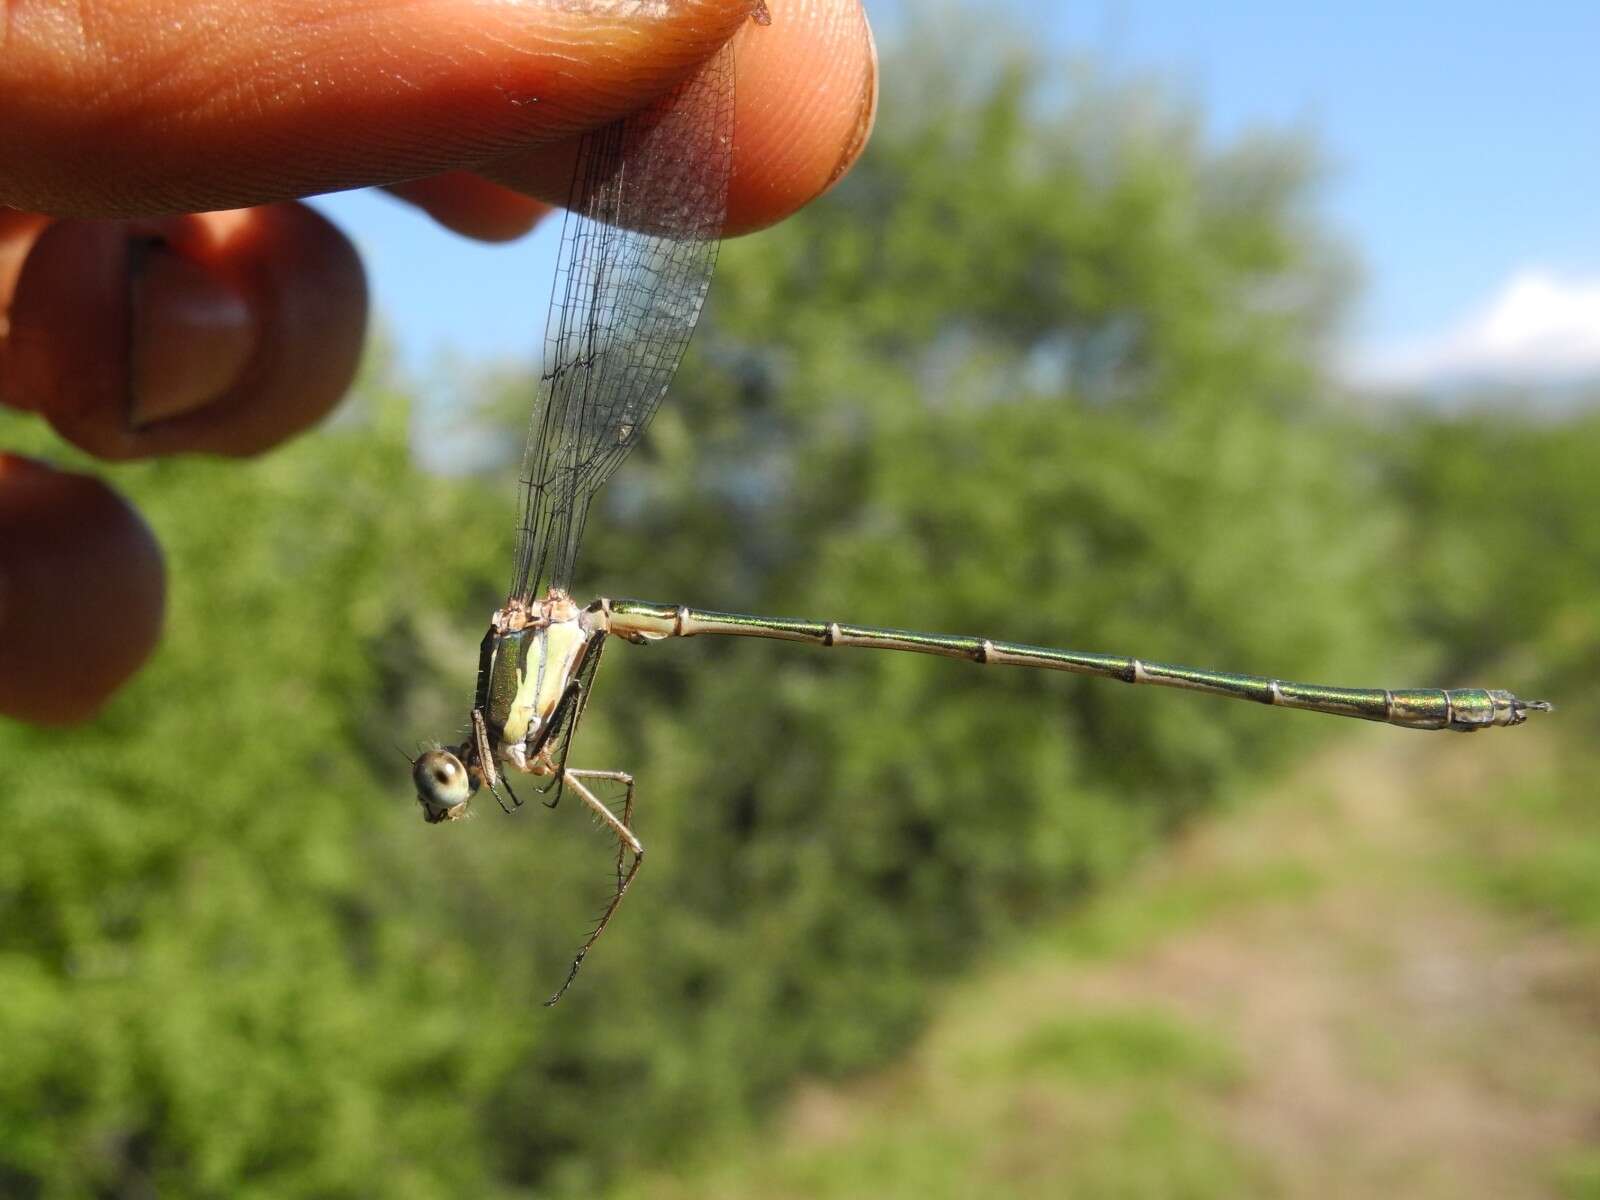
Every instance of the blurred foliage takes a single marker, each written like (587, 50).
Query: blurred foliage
(1046, 367)
(1505, 536)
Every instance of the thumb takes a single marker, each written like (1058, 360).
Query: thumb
(115, 109)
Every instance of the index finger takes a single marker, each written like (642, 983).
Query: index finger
(116, 109)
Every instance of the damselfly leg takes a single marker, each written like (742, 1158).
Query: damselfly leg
(553, 751)
(563, 724)
(627, 844)
(492, 779)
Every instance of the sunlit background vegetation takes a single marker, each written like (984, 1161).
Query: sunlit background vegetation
(1050, 365)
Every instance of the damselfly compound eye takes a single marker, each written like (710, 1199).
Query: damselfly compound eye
(443, 785)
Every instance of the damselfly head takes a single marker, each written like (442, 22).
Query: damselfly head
(444, 785)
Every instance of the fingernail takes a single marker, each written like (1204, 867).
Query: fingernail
(866, 112)
(191, 335)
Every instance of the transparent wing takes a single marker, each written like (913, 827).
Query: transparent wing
(638, 247)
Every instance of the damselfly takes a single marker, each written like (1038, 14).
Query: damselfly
(639, 245)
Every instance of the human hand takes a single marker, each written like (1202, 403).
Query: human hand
(137, 332)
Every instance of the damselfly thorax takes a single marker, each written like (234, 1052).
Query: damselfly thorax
(530, 664)
(528, 659)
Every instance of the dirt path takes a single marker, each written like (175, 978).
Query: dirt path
(1308, 997)
(1398, 1037)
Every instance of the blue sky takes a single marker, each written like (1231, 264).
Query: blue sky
(1464, 142)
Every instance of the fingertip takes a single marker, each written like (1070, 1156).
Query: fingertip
(805, 105)
(82, 593)
(221, 333)
(306, 279)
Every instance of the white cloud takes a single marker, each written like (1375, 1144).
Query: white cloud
(1539, 329)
